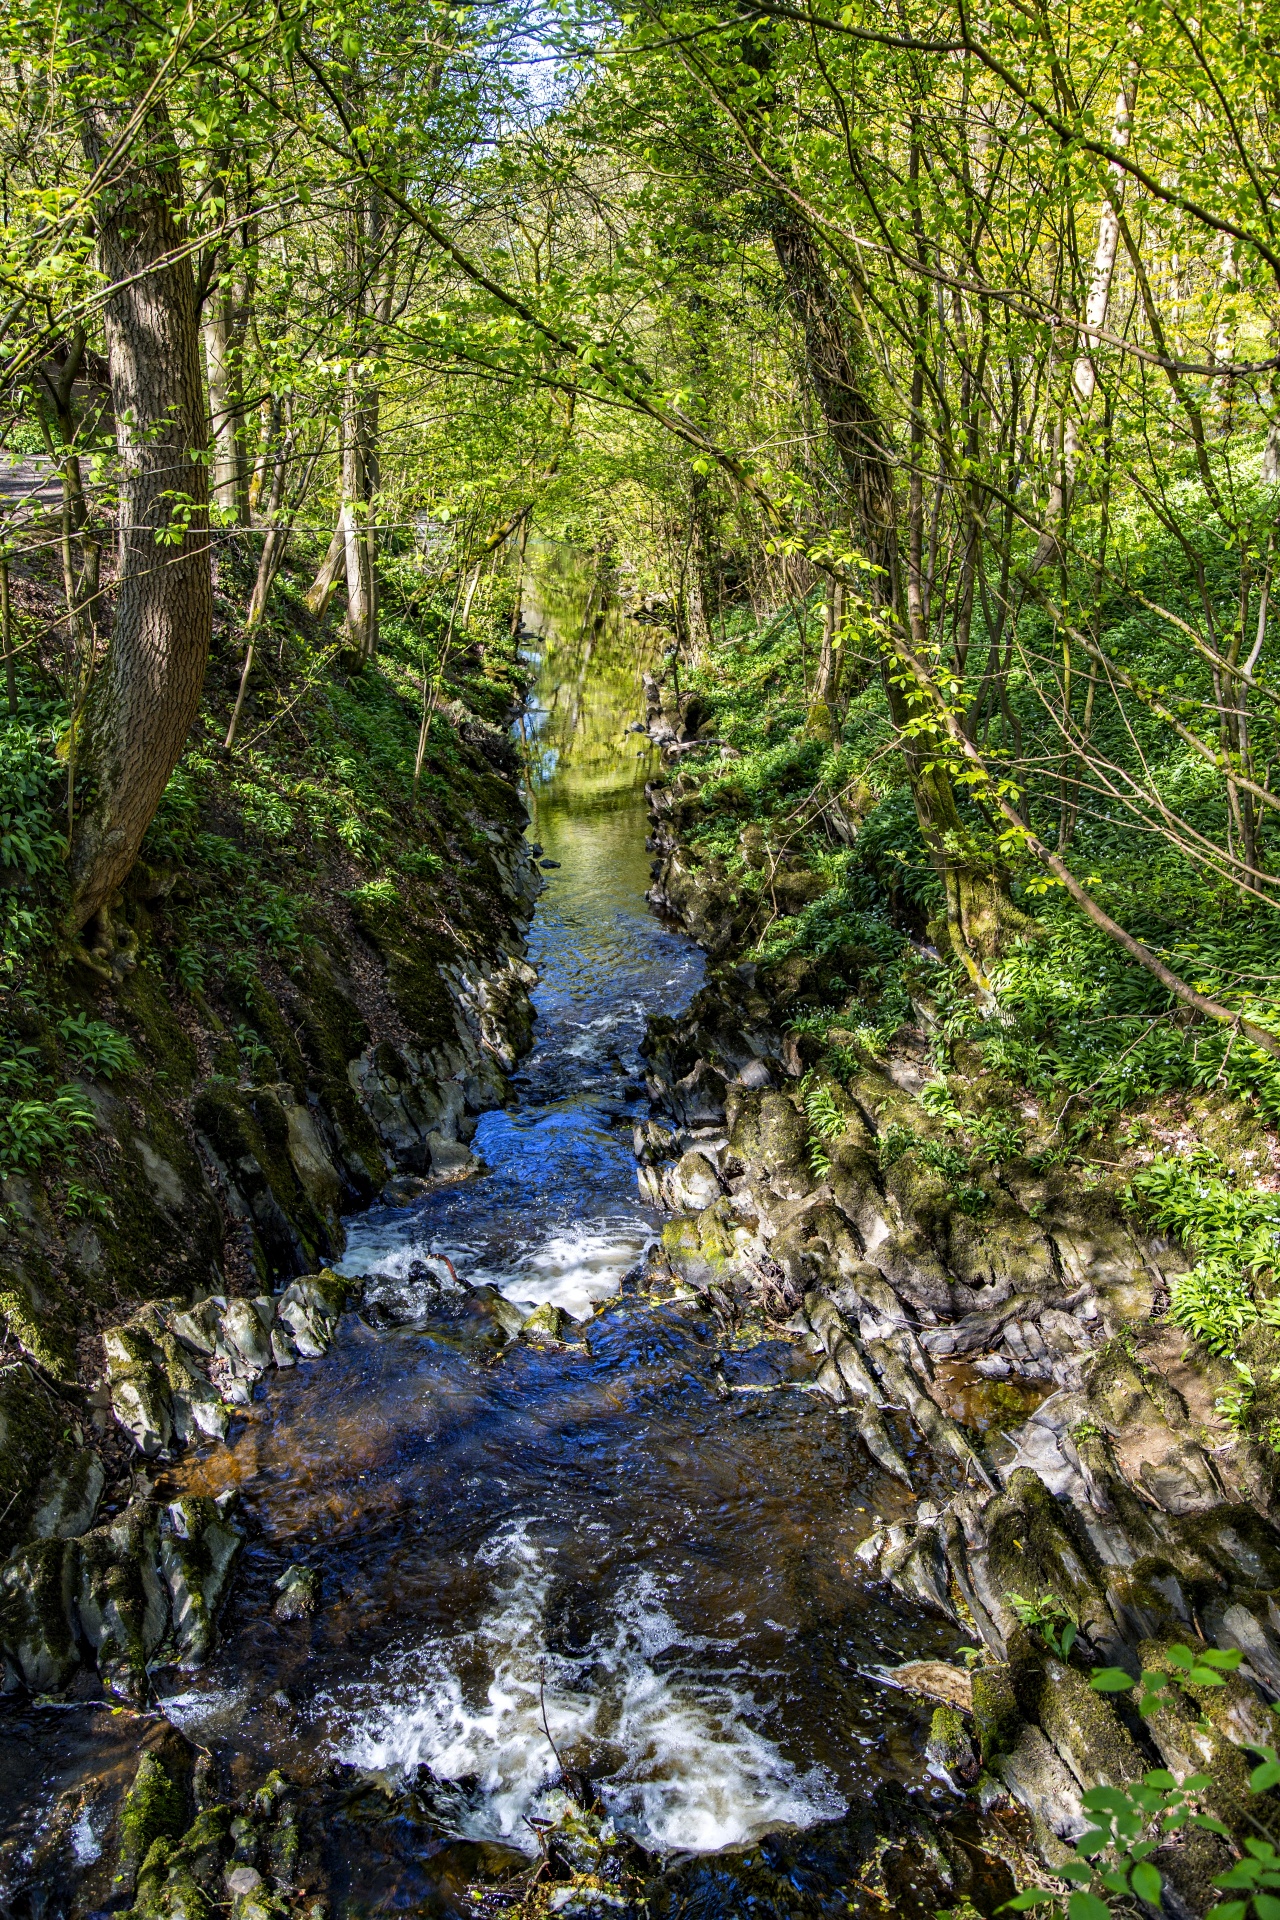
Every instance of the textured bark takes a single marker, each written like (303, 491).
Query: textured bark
(362, 614)
(222, 407)
(320, 592)
(145, 695)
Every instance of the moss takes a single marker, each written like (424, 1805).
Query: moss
(1081, 1724)
(36, 1611)
(31, 1439)
(1190, 1742)
(148, 1007)
(155, 1809)
(715, 1226)
(46, 1332)
(1237, 1542)
(250, 1136)
(262, 1011)
(168, 1892)
(413, 957)
(1032, 1550)
(784, 1135)
(949, 1744)
(996, 1718)
(334, 1288)
(1119, 1385)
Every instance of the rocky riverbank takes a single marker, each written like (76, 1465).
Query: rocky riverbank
(992, 1328)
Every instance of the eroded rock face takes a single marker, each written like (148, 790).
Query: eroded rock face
(145, 1587)
(1105, 1507)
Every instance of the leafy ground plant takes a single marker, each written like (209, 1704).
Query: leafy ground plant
(1112, 1859)
(1234, 1232)
(826, 1122)
(1051, 1616)
(1112, 1864)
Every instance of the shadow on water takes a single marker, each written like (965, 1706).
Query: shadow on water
(607, 1555)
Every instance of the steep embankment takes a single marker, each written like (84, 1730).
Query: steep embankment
(316, 985)
(989, 1308)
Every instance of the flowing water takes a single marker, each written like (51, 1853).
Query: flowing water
(632, 1555)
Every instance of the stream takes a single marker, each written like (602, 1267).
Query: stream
(631, 1554)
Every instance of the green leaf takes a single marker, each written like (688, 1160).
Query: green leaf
(1267, 1775)
(1228, 1910)
(1105, 1800)
(1078, 1870)
(1159, 1777)
(1087, 1906)
(1266, 1906)
(1110, 1680)
(1031, 1897)
(1146, 1882)
(1228, 1659)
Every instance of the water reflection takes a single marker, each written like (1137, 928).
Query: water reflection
(558, 1217)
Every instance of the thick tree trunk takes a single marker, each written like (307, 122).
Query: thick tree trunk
(145, 696)
(320, 592)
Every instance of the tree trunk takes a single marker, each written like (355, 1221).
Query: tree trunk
(980, 916)
(362, 612)
(222, 408)
(1084, 377)
(320, 592)
(145, 696)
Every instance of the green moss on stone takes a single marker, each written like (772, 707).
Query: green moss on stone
(31, 1440)
(996, 1718)
(155, 1809)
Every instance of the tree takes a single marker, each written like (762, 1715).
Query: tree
(141, 702)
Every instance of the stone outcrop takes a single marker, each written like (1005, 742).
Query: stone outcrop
(924, 1295)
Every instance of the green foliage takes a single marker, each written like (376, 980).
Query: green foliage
(33, 1130)
(379, 895)
(422, 863)
(1051, 1616)
(1202, 1667)
(1255, 1875)
(31, 847)
(1077, 1019)
(97, 1047)
(951, 1162)
(826, 1122)
(1233, 1231)
(1113, 1859)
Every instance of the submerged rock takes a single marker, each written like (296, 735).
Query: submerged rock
(544, 1326)
(299, 1591)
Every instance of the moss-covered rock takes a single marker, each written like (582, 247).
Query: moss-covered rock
(155, 1809)
(38, 1621)
(1033, 1549)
